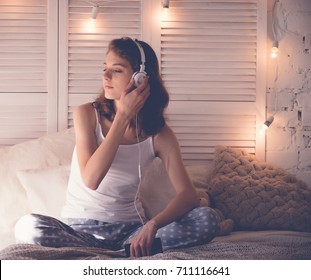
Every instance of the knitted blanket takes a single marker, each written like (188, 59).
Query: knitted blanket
(264, 245)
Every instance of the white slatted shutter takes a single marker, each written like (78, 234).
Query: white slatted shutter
(87, 47)
(24, 86)
(209, 62)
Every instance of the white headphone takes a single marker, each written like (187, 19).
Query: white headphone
(140, 75)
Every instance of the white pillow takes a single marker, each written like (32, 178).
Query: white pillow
(46, 189)
(49, 150)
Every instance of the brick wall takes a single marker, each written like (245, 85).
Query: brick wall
(289, 89)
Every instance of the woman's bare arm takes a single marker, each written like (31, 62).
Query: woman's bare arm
(167, 147)
(95, 161)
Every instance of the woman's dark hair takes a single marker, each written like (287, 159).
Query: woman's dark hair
(150, 117)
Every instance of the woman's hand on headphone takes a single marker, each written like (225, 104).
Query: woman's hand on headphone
(133, 98)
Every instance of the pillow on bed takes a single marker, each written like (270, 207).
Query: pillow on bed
(156, 188)
(257, 195)
(46, 189)
(49, 150)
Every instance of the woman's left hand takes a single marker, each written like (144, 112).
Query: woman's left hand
(141, 243)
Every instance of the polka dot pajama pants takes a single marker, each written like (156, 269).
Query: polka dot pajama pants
(198, 226)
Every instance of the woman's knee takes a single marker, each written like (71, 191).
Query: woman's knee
(198, 226)
(207, 219)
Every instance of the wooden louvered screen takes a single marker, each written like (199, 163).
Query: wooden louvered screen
(209, 62)
(211, 55)
(24, 87)
(87, 47)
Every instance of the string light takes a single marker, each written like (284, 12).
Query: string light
(268, 122)
(275, 49)
(94, 12)
(278, 27)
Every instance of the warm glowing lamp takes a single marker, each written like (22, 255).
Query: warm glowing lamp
(275, 49)
(164, 13)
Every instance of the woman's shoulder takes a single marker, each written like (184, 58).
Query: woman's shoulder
(84, 110)
(84, 114)
(165, 139)
(165, 133)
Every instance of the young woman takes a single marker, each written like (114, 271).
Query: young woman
(116, 137)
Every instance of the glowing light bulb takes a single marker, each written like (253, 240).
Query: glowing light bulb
(90, 25)
(164, 14)
(275, 49)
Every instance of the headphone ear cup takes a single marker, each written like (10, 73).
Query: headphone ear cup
(139, 77)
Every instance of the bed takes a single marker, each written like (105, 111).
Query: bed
(271, 208)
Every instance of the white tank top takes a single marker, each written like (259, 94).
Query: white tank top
(113, 200)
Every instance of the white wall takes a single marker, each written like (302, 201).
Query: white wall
(289, 90)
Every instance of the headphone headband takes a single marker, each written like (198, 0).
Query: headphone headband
(140, 75)
(142, 55)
